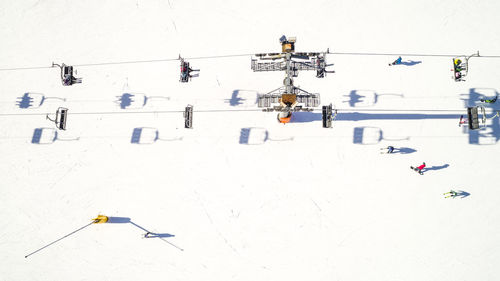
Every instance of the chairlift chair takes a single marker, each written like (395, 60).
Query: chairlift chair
(473, 117)
(188, 117)
(186, 71)
(61, 118)
(461, 67)
(321, 66)
(67, 77)
(329, 114)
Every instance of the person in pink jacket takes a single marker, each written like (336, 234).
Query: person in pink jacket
(419, 168)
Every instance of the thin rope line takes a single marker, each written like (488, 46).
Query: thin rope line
(409, 55)
(232, 110)
(241, 55)
(25, 68)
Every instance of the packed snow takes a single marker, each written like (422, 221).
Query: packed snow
(240, 196)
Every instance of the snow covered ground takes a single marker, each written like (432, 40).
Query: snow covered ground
(306, 203)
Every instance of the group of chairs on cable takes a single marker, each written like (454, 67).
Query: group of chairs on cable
(68, 79)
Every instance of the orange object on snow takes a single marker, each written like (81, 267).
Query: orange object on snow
(284, 117)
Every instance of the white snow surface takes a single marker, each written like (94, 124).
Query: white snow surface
(307, 203)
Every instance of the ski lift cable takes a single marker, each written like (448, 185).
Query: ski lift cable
(236, 55)
(162, 60)
(346, 110)
(408, 55)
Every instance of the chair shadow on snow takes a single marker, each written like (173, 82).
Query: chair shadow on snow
(148, 135)
(366, 98)
(374, 135)
(135, 100)
(235, 100)
(34, 100)
(257, 136)
(242, 97)
(48, 136)
(489, 134)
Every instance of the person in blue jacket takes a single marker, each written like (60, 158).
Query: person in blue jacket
(398, 61)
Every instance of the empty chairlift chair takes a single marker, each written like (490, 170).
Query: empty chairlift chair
(327, 116)
(473, 117)
(61, 118)
(188, 117)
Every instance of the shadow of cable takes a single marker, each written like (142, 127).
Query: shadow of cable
(302, 117)
(357, 116)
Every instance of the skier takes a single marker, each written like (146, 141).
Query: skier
(458, 64)
(68, 80)
(390, 149)
(419, 168)
(147, 234)
(452, 194)
(185, 71)
(462, 121)
(489, 101)
(397, 61)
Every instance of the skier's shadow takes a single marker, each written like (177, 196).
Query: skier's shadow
(462, 194)
(404, 150)
(410, 62)
(435, 168)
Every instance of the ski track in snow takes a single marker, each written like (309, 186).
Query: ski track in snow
(214, 225)
(69, 170)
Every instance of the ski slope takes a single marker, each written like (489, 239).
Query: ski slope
(282, 202)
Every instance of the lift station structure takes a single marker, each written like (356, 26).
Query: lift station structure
(289, 98)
